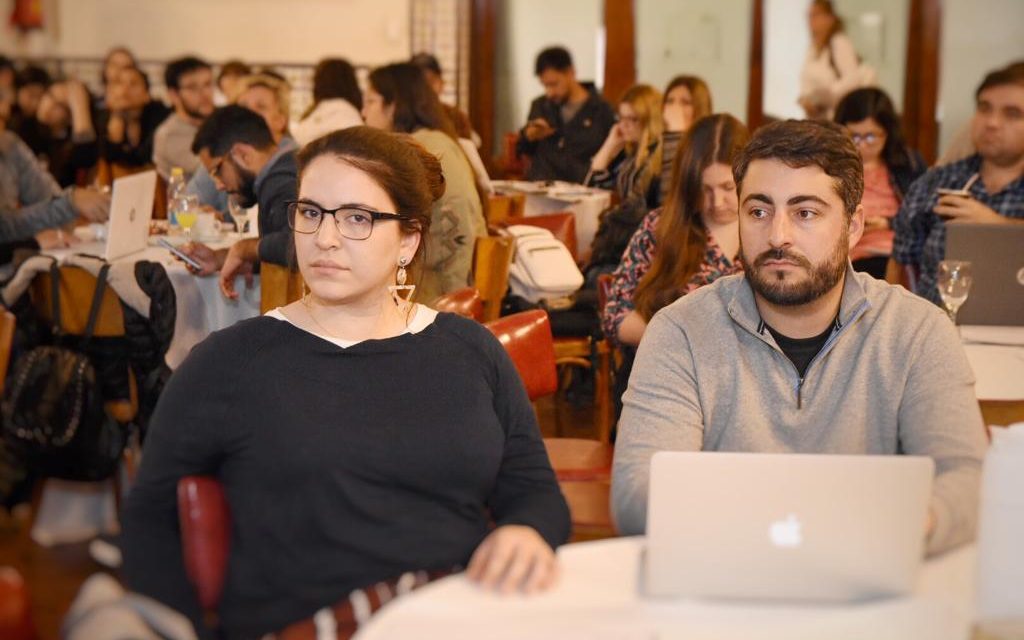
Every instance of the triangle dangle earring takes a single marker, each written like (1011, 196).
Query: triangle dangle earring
(397, 290)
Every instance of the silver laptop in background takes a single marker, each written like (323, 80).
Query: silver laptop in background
(996, 254)
(131, 209)
(785, 526)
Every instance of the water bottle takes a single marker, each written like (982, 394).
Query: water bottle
(175, 193)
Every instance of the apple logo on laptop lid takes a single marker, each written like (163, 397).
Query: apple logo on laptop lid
(786, 534)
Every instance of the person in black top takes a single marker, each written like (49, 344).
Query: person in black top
(361, 436)
(130, 120)
(567, 125)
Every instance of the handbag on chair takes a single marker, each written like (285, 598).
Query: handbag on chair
(53, 414)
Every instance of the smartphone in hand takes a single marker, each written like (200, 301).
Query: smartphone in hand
(181, 255)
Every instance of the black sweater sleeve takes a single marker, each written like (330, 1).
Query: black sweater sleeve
(186, 437)
(526, 491)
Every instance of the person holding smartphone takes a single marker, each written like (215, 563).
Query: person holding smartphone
(985, 188)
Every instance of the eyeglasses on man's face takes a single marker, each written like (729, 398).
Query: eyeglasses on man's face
(353, 221)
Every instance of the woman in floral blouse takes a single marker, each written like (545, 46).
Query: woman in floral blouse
(688, 243)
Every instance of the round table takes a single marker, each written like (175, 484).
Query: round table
(597, 598)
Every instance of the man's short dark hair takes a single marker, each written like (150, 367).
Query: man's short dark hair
(175, 69)
(1010, 74)
(807, 143)
(427, 61)
(556, 58)
(228, 126)
(32, 75)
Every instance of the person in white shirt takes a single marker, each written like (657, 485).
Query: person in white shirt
(832, 68)
(337, 101)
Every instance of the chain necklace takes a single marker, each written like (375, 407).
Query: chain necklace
(309, 312)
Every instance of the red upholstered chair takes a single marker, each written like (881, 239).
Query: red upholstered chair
(583, 467)
(205, 536)
(465, 302)
(15, 608)
(527, 338)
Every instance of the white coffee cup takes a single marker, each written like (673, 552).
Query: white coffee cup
(206, 226)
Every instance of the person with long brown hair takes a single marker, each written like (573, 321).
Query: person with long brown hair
(689, 242)
(687, 99)
(398, 98)
(361, 436)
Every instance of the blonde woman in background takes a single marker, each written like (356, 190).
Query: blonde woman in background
(630, 159)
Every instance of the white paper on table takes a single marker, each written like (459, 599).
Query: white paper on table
(998, 371)
(984, 334)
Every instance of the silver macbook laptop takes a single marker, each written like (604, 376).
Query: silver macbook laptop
(996, 254)
(131, 208)
(785, 526)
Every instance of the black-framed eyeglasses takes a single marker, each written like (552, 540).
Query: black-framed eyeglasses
(354, 221)
(869, 138)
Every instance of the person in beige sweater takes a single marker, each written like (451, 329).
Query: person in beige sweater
(800, 353)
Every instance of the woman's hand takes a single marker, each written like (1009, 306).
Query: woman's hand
(514, 557)
(613, 144)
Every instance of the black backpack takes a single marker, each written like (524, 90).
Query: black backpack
(53, 416)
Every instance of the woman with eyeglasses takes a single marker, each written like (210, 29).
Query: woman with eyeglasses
(361, 435)
(890, 167)
(629, 161)
(398, 98)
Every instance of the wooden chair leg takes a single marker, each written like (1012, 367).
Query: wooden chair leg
(603, 397)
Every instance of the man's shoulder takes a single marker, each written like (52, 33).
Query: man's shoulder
(9, 142)
(906, 310)
(706, 306)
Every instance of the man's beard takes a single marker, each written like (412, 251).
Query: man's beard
(245, 194)
(192, 113)
(776, 287)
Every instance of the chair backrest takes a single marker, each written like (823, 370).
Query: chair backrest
(77, 287)
(499, 208)
(492, 259)
(464, 302)
(527, 338)
(205, 521)
(604, 289)
(561, 225)
(7, 323)
(278, 286)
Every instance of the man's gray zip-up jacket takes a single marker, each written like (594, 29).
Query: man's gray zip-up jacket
(891, 379)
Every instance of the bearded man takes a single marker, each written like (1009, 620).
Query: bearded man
(800, 353)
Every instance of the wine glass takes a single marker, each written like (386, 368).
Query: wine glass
(239, 215)
(954, 283)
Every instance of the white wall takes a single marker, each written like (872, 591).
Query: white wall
(878, 29)
(977, 37)
(708, 38)
(367, 32)
(524, 28)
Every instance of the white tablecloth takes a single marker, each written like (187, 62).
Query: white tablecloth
(597, 598)
(586, 203)
(996, 355)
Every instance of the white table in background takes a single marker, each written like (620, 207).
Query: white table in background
(597, 598)
(586, 204)
(996, 355)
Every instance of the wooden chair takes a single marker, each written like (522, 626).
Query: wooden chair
(1002, 412)
(7, 324)
(511, 164)
(583, 467)
(205, 521)
(562, 225)
(77, 287)
(492, 259)
(465, 302)
(278, 286)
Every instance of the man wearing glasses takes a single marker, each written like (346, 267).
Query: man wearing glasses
(190, 88)
(237, 149)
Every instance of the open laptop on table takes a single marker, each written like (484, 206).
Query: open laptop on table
(785, 526)
(996, 254)
(131, 209)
